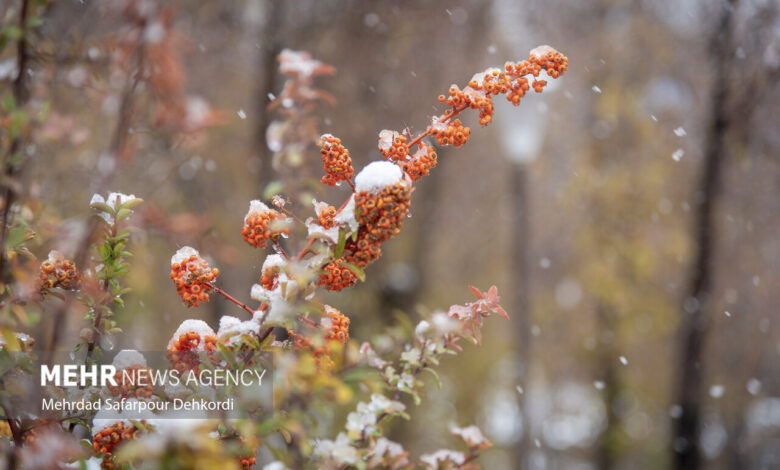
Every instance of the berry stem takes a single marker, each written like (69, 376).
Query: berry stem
(280, 250)
(308, 321)
(309, 243)
(419, 138)
(229, 297)
(291, 215)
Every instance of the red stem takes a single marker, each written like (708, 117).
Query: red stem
(309, 243)
(280, 249)
(224, 294)
(419, 138)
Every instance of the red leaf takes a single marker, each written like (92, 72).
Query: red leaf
(476, 292)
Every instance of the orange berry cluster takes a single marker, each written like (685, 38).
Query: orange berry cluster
(269, 277)
(335, 160)
(339, 326)
(183, 353)
(511, 82)
(336, 276)
(299, 341)
(302, 343)
(380, 217)
(58, 272)
(471, 98)
(29, 436)
(421, 163)
(192, 278)
(134, 386)
(259, 227)
(106, 441)
(246, 462)
(450, 132)
(326, 217)
(397, 151)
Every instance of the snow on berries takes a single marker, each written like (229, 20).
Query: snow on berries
(420, 163)
(381, 204)
(393, 145)
(231, 329)
(263, 224)
(330, 222)
(191, 338)
(376, 176)
(270, 271)
(449, 132)
(131, 376)
(336, 325)
(192, 276)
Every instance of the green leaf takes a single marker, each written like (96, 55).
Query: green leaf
(131, 203)
(434, 374)
(104, 251)
(357, 270)
(341, 244)
(123, 213)
(102, 206)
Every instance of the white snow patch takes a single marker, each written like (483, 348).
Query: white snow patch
(235, 328)
(442, 456)
(471, 435)
(378, 175)
(256, 207)
(479, 77)
(196, 326)
(540, 51)
(127, 358)
(347, 215)
(272, 261)
(386, 138)
(330, 235)
(114, 200)
(183, 253)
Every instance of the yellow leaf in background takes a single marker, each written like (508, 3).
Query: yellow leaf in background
(10, 340)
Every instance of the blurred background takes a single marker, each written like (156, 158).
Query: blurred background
(629, 215)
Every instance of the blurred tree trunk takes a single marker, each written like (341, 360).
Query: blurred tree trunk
(695, 323)
(521, 317)
(270, 46)
(606, 451)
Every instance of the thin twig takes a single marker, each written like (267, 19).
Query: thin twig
(229, 297)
